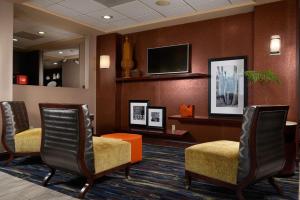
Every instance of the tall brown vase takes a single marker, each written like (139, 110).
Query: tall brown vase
(127, 62)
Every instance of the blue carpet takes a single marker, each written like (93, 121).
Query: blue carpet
(159, 176)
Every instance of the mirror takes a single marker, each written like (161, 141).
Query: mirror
(46, 55)
(63, 68)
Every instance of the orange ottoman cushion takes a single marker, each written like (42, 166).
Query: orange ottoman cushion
(136, 144)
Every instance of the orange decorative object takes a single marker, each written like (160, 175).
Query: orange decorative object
(187, 110)
(127, 61)
(135, 141)
(22, 79)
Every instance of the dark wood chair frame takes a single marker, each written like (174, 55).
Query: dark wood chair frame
(91, 177)
(251, 178)
(11, 154)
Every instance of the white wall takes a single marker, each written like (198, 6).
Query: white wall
(6, 53)
(71, 74)
(6, 50)
(33, 95)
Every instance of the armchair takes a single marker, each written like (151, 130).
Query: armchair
(235, 165)
(68, 144)
(17, 138)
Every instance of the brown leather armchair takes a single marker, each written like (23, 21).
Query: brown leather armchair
(17, 138)
(68, 144)
(260, 153)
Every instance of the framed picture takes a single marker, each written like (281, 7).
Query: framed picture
(138, 113)
(156, 117)
(227, 87)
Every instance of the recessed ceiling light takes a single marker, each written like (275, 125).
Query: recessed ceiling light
(60, 52)
(162, 2)
(107, 16)
(41, 33)
(15, 40)
(55, 63)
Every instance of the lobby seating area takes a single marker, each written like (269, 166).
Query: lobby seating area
(149, 99)
(68, 144)
(245, 162)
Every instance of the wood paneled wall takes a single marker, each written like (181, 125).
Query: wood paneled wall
(245, 34)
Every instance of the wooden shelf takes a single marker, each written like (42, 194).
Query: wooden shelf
(164, 77)
(209, 120)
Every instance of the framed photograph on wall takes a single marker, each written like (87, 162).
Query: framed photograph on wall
(156, 117)
(138, 113)
(227, 86)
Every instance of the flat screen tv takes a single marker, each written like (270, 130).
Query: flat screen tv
(169, 59)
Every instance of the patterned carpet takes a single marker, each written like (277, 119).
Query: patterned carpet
(159, 176)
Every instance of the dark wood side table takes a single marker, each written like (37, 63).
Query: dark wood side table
(290, 140)
(178, 134)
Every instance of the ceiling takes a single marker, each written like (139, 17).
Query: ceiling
(53, 59)
(128, 14)
(26, 31)
(63, 53)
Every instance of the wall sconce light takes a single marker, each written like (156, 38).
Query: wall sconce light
(275, 45)
(104, 61)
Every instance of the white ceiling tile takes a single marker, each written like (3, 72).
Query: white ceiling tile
(135, 9)
(105, 27)
(147, 18)
(176, 8)
(123, 23)
(82, 6)
(100, 13)
(204, 5)
(60, 10)
(41, 3)
(125, 12)
(86, 19)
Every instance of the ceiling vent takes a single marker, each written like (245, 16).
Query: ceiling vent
(28, 36)
(112, 3)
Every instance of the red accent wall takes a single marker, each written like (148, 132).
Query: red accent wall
(245, 34)
(277, 19)
(106, 83)
(229, 36)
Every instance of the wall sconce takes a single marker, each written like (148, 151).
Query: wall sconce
(104, 61)
(275, 45)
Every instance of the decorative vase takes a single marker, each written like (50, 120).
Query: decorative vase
(127, 62)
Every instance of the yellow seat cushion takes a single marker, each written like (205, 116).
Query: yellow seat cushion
(218, 160)
(110, 153)
(28, 141)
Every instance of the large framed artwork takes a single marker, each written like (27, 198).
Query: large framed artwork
(156, 117)
(138, 113)
(227, 88)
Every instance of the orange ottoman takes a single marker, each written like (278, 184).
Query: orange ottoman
(135, 141)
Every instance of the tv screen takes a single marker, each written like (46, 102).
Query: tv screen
(170, 59)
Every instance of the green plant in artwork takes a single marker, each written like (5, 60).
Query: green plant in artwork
(266, 76)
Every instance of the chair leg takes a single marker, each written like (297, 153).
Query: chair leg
(275, 185)
(239, 194)
(127, 172)
(85, 188)
(8, 161)
(188, 180)
(48, 177)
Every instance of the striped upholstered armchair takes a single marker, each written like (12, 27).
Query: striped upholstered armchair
(259, 154)
(17, 138)
(68, 144)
